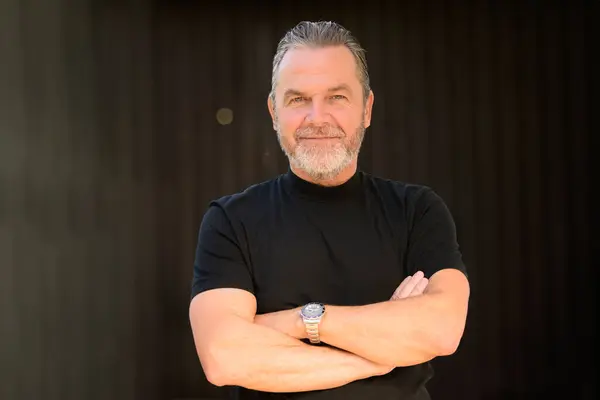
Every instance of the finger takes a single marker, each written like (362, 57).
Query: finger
(401, 287)
(410, 285)
(420, 287)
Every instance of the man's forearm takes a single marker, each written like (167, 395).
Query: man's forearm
(407, 331)
(399, 333)
(402, 332)
(260, 358)
(396, 333)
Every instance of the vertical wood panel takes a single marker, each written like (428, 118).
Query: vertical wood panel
(13, 144)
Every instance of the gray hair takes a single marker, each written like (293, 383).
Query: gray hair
(317, 35)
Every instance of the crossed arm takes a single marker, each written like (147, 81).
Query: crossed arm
(410, 331)
(422, 320)
(235, 351)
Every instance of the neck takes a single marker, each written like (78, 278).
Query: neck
(339, 179)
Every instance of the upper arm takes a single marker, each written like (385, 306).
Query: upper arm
(220, 260)
(210, 311)
(433, 249)
(213, 314)
(222, 288)
(452, 286)
(449, 290)
(432, 238)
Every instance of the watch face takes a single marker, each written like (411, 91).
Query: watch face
(313, 310)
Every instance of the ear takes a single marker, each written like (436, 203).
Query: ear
(369, 109)
(271, 106)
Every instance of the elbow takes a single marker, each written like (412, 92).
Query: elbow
(448, 341)
(448, 332)
(448, 346)
(216, 368)
(215, 376)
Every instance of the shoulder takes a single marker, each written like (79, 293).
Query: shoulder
(412, 202)
(407, 193)
(247, 203)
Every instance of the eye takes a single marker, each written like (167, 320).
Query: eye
(296, 100)
(338, 97)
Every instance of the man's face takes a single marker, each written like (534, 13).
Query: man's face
(319, 112)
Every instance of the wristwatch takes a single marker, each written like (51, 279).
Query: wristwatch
(311, 315)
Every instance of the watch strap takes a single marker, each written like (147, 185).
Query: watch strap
(312, 331)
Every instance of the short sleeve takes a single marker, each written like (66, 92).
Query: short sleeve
(219, 260)
(432, 240)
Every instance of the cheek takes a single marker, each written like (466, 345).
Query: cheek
(348, 121)
(290, 121)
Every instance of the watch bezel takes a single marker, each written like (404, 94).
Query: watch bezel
(312, 318)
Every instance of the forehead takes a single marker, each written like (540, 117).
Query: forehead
(315, 69)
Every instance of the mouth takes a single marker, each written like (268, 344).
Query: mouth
(321, 138)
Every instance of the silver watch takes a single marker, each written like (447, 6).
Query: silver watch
(311, 315)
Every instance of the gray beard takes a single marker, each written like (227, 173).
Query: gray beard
(323, 163)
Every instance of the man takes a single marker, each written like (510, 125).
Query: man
(326, 282)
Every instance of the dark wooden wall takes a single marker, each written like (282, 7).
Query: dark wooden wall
(110, 151)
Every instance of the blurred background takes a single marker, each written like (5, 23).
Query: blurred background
(121, 120)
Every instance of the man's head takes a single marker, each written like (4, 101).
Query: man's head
(320, 99)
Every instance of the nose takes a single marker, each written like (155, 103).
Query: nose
(317, 113)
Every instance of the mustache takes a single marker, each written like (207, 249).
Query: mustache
(323, 131)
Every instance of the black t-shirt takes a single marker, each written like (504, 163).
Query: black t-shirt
(290, 242)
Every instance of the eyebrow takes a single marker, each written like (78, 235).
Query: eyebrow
(293, 92)
(340, 88)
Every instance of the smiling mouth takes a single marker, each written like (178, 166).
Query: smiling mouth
(321, 138)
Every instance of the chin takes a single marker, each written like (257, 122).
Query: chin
(321, 164)
(322, 175)
(322, 171)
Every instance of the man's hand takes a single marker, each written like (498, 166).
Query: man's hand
(411, 286)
